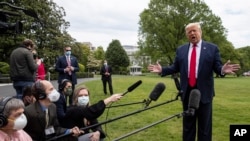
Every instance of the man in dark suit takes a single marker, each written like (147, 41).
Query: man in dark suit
(106, 72)
(196, 61)
(42, 116)
(67, 66)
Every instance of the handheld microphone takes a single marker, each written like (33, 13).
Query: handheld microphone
(155, 94)
(193, 103)
(131, 88)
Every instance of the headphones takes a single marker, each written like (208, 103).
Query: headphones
(63, 84)
(3, 118)
(39, 90)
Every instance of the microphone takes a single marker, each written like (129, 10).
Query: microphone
(193, 103)
(177, 85)
(155, 94)
(131, 88)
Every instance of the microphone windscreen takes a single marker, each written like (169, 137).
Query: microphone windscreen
(157, 91)
(194, 99)
(131, 88)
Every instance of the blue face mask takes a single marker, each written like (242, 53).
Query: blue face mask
(68, 53)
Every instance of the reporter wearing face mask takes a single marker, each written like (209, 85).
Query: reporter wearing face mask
(42, 117)
(82, 114)
(65, 90)
(12, 120)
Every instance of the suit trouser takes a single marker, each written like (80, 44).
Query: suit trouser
(204, 117)
(104, 82)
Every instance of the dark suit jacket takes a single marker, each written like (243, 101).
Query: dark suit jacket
(61, 64)
(61, 107)
(74, 115)
(209, 61)
(104, 70)
(36, 121)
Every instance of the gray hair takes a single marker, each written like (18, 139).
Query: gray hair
(11, 105)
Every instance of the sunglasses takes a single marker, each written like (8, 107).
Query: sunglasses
(68, 50)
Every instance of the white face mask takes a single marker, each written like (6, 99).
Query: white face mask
(54, 96)
(83, 100)
(20, 122)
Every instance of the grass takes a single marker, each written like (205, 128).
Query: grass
(230, 106)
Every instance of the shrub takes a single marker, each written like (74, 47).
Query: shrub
(4, 68)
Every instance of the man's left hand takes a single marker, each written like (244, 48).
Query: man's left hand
(230, 68)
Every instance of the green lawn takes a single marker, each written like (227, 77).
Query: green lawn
(230, 106)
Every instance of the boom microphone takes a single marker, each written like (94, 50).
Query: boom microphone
(131, 88)
(193, 103)
(155, 94)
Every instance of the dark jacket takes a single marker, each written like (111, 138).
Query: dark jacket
(22, 65)
(36, 122)
(61, 64)
(75, 115)
(209, 62)
(105, 69)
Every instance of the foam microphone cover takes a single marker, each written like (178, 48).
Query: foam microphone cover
(136, 84)
(194, 99)
(157, 91)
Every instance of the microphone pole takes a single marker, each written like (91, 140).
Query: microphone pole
(144, 101)
(148, 126)
(129, 114)
(114, 119)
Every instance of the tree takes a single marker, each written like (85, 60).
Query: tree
(46, 27)
(162, 27)
(116, 56)
(99, 54)
(244, 59)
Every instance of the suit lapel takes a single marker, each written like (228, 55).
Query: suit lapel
(185, 51)
(202, 55)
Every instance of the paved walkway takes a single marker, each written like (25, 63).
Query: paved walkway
(6, 89)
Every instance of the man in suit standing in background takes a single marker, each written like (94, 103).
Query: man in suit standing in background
(67, 66)
(196, 62)
(106, 72)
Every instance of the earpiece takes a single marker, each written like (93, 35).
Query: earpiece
(3, 118)
(39, 90)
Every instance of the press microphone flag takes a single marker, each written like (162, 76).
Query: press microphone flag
(193, 103)
(131, 88)
(156, 93)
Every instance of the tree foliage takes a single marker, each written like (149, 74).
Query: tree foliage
(244, 58)
(162, 27)
(99, 54)
(116, 56)
(46, 27)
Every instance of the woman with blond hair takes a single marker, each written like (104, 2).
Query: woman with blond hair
(82, 114)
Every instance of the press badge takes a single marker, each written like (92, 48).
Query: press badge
(49, 130)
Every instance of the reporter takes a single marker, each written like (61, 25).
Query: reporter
(82, 114)
(12, 120)
(41, 115)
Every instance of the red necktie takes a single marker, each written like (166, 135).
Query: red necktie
(192, 79)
